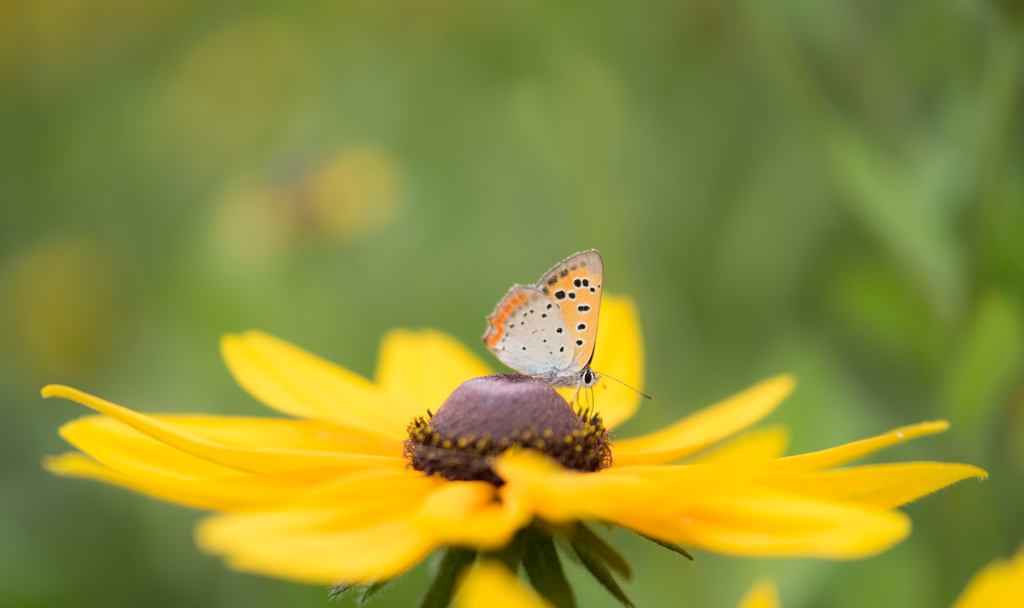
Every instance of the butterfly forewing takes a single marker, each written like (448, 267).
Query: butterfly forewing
(527, 333)
(575, 286)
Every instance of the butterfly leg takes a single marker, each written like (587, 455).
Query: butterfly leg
(576, 394)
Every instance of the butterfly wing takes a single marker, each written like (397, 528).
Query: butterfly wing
(575, 286)
(527, 333)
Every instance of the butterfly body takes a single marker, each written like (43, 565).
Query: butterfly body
(549, 329)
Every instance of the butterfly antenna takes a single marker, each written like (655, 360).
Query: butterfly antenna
(604, 375)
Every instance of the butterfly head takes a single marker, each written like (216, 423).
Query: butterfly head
(589, 378)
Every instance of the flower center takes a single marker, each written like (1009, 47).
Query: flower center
(486, 416)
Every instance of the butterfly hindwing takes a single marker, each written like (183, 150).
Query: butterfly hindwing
(575, 286)
(527, 333)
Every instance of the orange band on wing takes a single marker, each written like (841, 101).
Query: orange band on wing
(498, 320)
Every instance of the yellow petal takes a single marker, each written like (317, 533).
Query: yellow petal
(468, 514)
(755, 524)
(1000, 584)
(489, 584)
(858, 449)
(362, 530)
(267, 432)
(129, 451)
(285, 433)
(620, 354)
(376, 552)
(231, 494)
(762, 595)
(885, 486)
(751, 449)
(705, 427)
(560, 496)
(716, 507)
(249, 459)
(421, 368)
(296, 382)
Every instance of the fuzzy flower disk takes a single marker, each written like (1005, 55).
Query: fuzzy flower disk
(329, 495)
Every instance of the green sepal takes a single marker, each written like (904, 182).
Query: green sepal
(441, 590)
(540, 560)
(593, 562)
(512, 553)
(611, 557)
(670, 546)
(369, 593)
(338, 590)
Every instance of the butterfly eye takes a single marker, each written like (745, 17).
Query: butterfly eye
(588, 377)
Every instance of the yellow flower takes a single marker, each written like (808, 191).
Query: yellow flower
(332, 498)
(490, 584)
(998, 585)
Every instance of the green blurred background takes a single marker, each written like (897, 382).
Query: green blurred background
(832, 189)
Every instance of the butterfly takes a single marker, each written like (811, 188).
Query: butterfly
(549, 330)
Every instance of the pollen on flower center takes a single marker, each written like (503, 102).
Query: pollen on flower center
(486, 416)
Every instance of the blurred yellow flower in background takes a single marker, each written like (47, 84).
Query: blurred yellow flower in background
(489, 583)
(339, 196)
(998, 585)
(331, 497)
(60, 302)
(762, 595)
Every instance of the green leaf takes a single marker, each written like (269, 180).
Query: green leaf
(540, 560)
(441, 590)
(610, 556)
(986, 361)
(593, 562)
